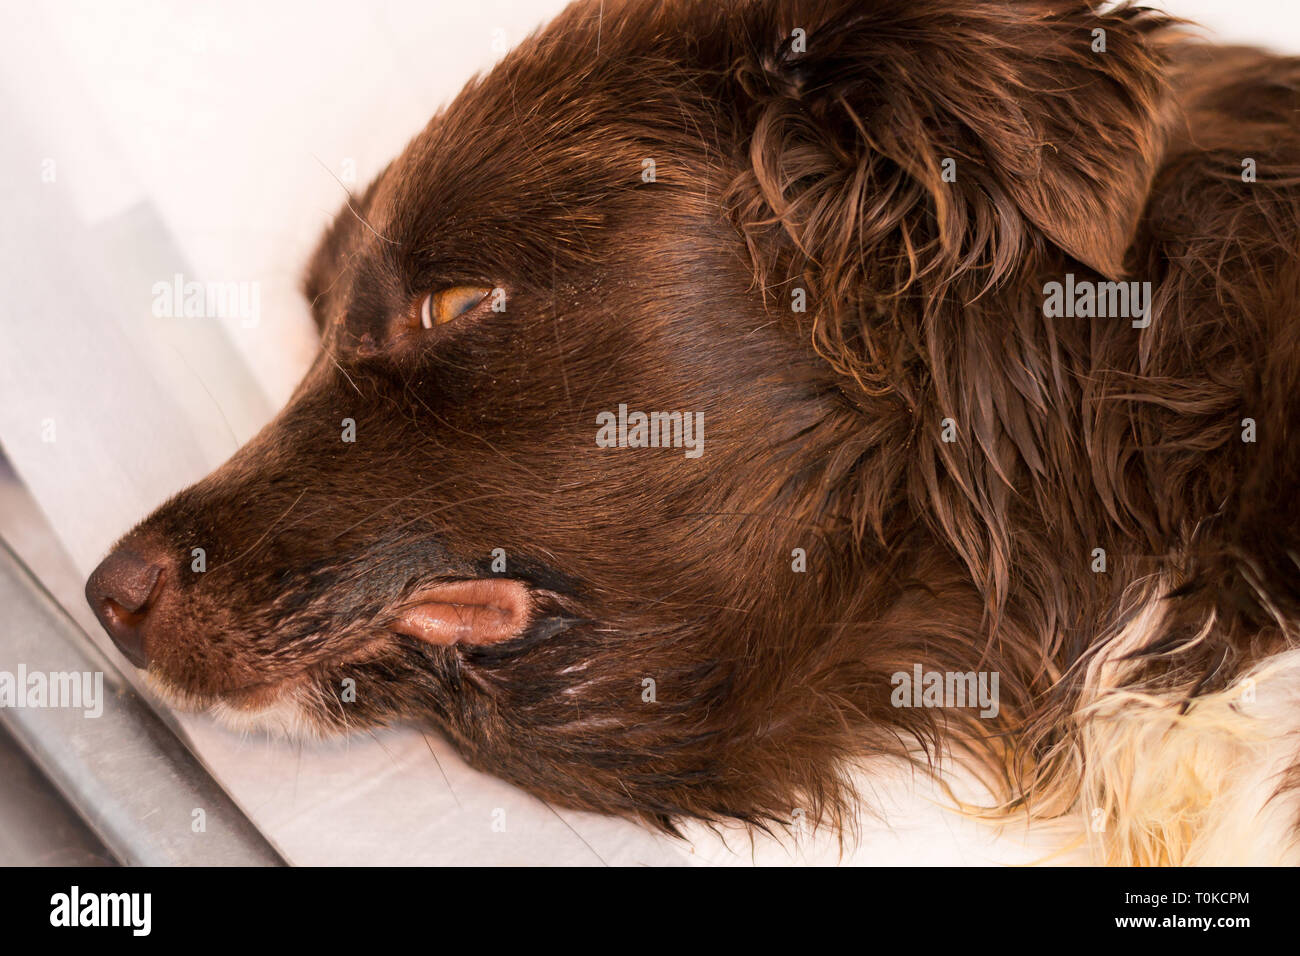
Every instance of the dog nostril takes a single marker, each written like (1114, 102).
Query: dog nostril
(121, 591)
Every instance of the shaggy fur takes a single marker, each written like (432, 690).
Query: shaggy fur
(1133, 699)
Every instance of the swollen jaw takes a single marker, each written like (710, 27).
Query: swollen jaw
(481, 611)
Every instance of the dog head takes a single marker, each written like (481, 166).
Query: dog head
(621, 460)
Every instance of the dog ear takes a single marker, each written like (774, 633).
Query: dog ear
(947, 137)
(915, 170)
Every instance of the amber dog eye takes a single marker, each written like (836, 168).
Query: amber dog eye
(441, 307)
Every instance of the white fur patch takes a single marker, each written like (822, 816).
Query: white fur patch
(1164, 787)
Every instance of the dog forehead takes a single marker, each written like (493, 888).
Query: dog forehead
(553, 135)
(477, 166)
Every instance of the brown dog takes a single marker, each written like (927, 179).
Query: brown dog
(709, 373)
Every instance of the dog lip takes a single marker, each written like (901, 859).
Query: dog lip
(251, 694)
(471, 611)
(244, 697)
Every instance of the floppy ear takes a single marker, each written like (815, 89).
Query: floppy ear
(918, 169)
(949, 137)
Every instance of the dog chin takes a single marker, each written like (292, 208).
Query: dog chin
(287, 717)
(286, 714)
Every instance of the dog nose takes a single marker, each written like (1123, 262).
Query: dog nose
(121, 591)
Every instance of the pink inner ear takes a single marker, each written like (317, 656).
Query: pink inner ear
(482, 611)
